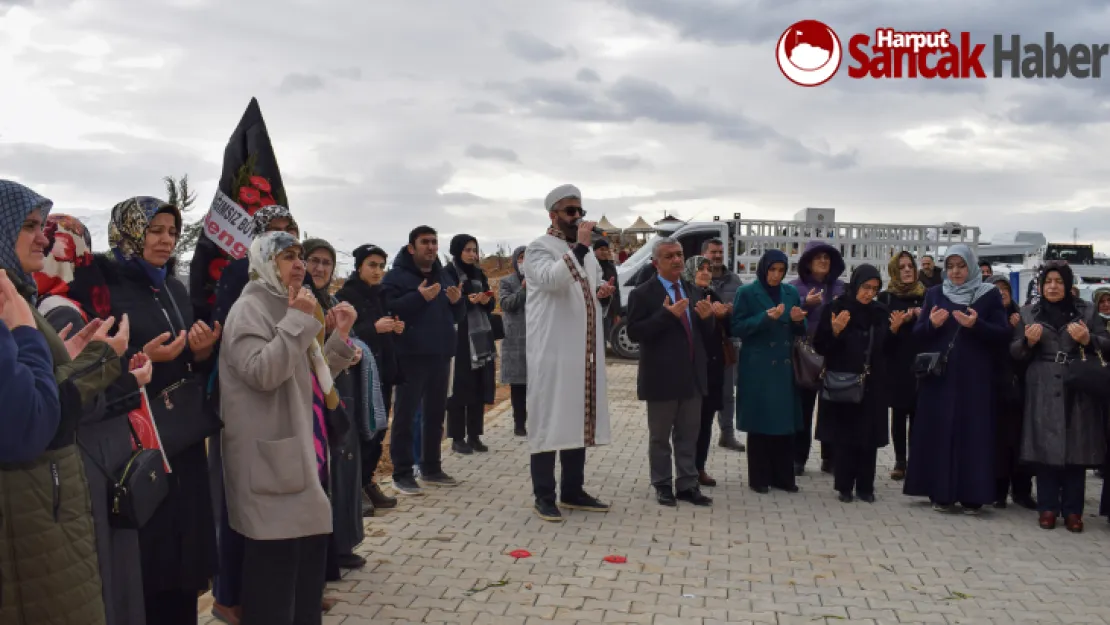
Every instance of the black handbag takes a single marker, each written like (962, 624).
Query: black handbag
(139, 489)
(183, 415)
(497, 324)
(808, 365)
(847, 388)
(934, 364)
(1085, 375)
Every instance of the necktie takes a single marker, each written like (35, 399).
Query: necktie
(685, 319)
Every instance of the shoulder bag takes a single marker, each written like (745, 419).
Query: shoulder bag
(1086, 375)
(847, 388)
(934, 364)
(139, 488)
(808, 365)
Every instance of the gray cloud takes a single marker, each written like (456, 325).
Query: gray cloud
(531, 48)
(482, 152)
(348, 73)
(624, 162)
(587, 75)
(1058, 109)
(293, 83)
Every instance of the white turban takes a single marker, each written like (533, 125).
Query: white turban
(561, 192)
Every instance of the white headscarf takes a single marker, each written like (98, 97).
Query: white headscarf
(971, 290)
(264, 270)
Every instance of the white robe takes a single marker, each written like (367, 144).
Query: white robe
(557, 319)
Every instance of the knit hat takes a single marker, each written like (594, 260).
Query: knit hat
(600, 243)
(561, 192)
(363, 252)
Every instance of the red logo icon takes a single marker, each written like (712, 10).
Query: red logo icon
(809, 53)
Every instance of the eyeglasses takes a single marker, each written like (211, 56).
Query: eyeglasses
(319, 262)
(574, 211)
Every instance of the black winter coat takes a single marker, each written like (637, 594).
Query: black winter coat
(470, 386)
(369, 303)
(903, 382)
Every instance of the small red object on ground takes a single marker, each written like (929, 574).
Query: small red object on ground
(615, 559)
(520, 553)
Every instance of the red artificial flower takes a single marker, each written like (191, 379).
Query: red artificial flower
(614, 559)
(520, 553)
(267, 200)
(216, 268)
(248, 196)
(101, 301)
(260, 183)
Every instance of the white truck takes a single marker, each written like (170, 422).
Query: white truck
(747, 239)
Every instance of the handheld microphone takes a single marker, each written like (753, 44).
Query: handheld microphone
(598, 231)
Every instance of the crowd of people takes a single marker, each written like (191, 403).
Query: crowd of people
(270, 403)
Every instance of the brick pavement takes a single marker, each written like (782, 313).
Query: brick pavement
(779, 558)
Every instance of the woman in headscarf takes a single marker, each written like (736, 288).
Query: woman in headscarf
(1064, 429)
(854, 335)
(514, 364)
(232, 279)
(278, 378)
(66, 267)
(951, 456)
(767, 316)
(718, 355)
(474, 381)
(376, 328)
(53, 514)
(904, 293)
(345, 459)
(178, 543)
(819, 269)
(1012, 478)
(1101, 298)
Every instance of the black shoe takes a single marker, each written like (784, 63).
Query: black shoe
(762, 490)
(367, 508)
(350, 561)
(868, 498)
(548, 511)
(379, 499)
(460, 447)
(584, 502)
(1000, 504)
(665, 496)
(793, 488)
(1026, 501)
(845, 498)
(827, 466)
(799, 469)
(407, 486)
(439, 479)
(695, 497)
(520, 430)
(730, 442)
(477, 445)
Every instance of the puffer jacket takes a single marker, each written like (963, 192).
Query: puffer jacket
(48, 563)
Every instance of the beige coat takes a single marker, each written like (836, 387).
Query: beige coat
(269, 455)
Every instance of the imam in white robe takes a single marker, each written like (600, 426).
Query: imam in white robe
(568, 404)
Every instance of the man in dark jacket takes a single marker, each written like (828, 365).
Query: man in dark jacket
(930, 275)
(672, 376)
(725, 283)
(423, 295)
(612, 304)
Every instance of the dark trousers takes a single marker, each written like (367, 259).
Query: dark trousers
(371, 455)
(673, 428)
(1018, 484)
(283, 581)
(901, 426)
(229, 543)
(1061, 489)
(803, 440)
(770, 460)
(172, 607)
(705, 434)
(855, 470)
(425, 380)
(518, 394)
(465, 421)
(574, 473)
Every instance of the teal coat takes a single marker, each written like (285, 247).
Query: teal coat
(767, 401)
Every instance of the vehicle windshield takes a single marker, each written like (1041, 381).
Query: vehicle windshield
(1073, 254)
(642, 253)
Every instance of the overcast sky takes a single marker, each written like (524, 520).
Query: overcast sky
(463, 115)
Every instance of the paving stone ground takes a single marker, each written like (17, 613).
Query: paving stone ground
(780, 558)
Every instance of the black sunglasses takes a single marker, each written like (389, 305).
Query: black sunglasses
(572, 211)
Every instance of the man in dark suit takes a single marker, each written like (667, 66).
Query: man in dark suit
(672, 376)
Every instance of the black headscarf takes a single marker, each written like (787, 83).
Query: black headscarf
(770, 257)
(1058, 314)
(862, 315)
(458, 243)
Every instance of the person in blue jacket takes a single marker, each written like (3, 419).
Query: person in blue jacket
(28, 390)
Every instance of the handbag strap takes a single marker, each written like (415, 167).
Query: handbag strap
(867, 353)
(99, 465)
(951, 343)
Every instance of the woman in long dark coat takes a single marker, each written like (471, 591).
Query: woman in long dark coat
(904, 293)
(767, 316)
(853, 334)
(474, 379)
(514, 358)
(952, 446)
(1064, 431)
(178, 543)
(1012, 477)
(718, 355)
